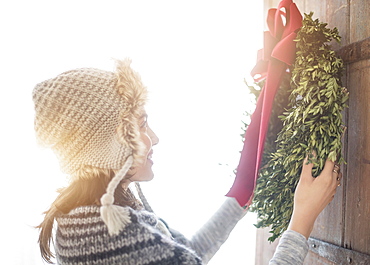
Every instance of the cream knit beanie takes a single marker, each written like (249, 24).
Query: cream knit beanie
(89, 117)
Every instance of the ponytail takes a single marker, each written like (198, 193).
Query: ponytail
(45, 236)
(82, 191)
(87, 189)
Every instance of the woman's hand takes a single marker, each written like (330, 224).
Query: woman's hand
(312, 195)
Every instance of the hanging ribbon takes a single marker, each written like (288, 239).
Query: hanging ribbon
(278, 52)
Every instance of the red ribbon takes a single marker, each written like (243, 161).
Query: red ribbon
(278, 52)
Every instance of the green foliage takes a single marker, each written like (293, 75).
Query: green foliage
(310, 123)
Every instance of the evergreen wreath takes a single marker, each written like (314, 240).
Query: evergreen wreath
(306, 118)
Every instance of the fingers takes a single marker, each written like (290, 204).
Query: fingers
(328, 168)
(330, 173)
(306, 169)
(336, 168)
(337, 174)
(339, 177)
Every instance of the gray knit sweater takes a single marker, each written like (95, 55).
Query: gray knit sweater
(82, 238)
(292, 249)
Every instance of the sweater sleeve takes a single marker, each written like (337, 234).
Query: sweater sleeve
(292, 249)
(207, 241)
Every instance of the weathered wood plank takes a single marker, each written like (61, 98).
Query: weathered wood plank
(357, 224)
(359, 23)
(338, 16)
(264, 249)
(316, 6)
(355, 52)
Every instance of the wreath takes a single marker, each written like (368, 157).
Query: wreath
(306, 119)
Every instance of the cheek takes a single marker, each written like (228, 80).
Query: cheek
(146, 141)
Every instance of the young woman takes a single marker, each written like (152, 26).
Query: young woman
(95, 122)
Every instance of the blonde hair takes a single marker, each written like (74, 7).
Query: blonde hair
(87, 187)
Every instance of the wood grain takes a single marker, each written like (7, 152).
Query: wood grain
(357, 219)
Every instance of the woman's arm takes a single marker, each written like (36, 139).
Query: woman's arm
(207, 241)
(312, 195)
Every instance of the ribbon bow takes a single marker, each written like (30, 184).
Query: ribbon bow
(278, 52)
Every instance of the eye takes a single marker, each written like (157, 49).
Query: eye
(144, 123)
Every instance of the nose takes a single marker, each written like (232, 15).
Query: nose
(153, 137)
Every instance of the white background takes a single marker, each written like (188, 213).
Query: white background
(192, 55)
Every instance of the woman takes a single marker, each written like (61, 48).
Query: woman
(95, 122)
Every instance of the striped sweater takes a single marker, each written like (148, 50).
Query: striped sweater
(82, 238)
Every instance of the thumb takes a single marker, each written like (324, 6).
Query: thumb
(306, 169)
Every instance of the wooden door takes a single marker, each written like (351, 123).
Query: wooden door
(342, 231)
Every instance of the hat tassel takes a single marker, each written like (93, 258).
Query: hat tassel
(114, 216)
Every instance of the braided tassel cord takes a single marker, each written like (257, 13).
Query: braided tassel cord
(114, 216)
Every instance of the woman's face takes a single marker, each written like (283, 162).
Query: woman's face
(144, 172)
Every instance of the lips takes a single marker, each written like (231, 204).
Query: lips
(149, 157)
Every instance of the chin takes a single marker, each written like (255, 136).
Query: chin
(149, 178)
(143, 177)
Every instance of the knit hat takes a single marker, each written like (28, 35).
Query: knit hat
(89, 117)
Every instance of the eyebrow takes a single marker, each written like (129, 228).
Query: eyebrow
(144, 116)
